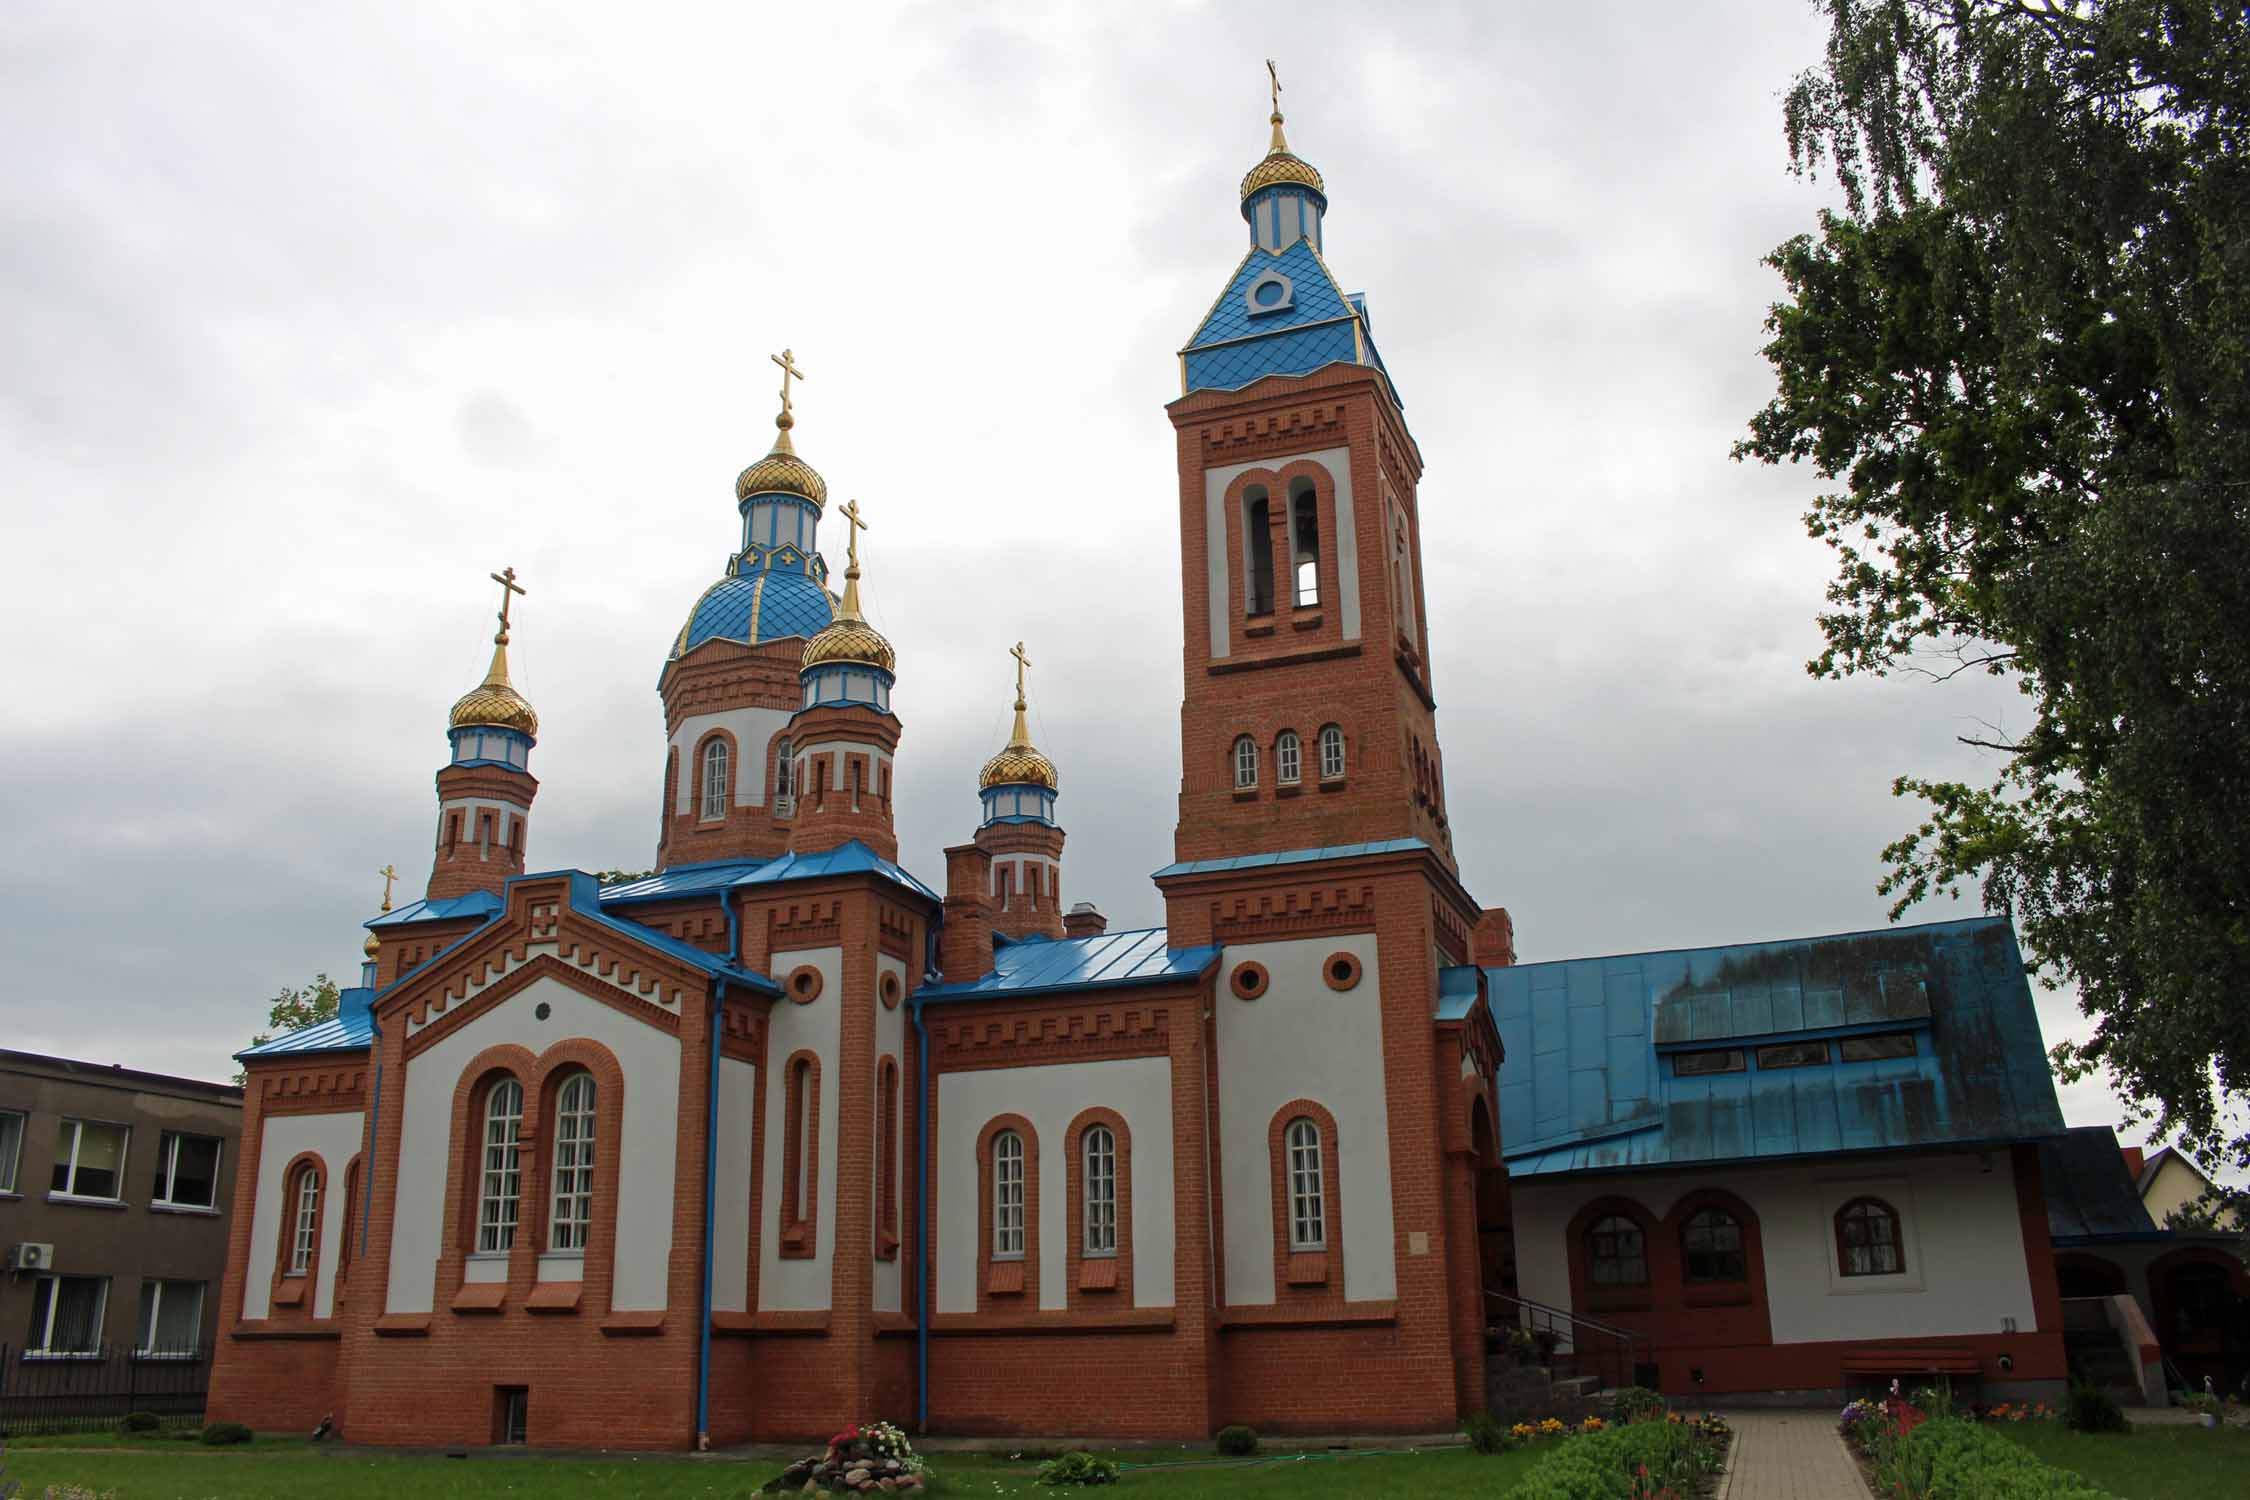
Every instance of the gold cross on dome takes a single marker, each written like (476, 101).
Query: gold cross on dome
(1274, 74)
(508, 588)
(389, 874)
(788, 362)
(851, 514)
(1022, 661)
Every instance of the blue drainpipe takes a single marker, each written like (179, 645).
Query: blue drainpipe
(922, 1230)
(711, 1190)
(374, 1139)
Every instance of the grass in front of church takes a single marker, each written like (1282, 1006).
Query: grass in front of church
(2153, 1463)
(287, 1468)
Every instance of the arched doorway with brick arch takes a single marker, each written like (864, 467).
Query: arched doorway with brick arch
(2201, 1297)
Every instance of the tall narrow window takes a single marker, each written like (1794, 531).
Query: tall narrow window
(187, 1171)
(1402, 575)
(1304, 543)
(1308, 1212)
(573, 1213)
(1245, 764)
(304, 1232)
(1100, 1176)
(11, 1148)
(784, 778)
(1288, 758)
(886, 1160)
(502, 1176)
(1257, 542)
(799, 1201)
(715, 779)
(345, 1243)
(1007, 1196)
(1331, 752)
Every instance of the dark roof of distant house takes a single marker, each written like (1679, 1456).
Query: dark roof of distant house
(2090, 1195)
(94, 1072)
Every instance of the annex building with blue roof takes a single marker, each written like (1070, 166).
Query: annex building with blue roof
(781, 1135)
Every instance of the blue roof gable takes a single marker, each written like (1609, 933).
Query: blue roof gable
(1590, 1081)
(1042, 966)
(1280, 314)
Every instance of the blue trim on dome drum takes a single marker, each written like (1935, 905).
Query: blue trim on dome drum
(480, 754)
(856, 685)
(1022, 795)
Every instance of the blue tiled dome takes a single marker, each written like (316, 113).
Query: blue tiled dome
(770, 604)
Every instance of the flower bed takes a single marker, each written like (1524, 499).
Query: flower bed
(872, 1458)
(1923, 1450)
(1655, 1459)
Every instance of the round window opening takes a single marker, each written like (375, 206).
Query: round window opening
(542, 1010)
(804, 984)
(889, 989)
(1248, 980)
(1272, 292)
(1341, 971)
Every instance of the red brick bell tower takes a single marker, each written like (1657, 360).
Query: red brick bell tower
(485, 790)
(844, 734)
(1019, 831)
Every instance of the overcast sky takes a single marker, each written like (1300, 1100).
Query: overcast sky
(314, 316)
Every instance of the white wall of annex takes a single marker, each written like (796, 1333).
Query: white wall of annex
(890, 1042)
(808, 1284)
(1303, 1040)
(730, 1212)
(336, 1138)
(1050, 1096)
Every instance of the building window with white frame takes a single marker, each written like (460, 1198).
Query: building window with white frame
(187, 1171)
(1100, 1209)
(573, 1214)
(1007, 1196)
(1245, 764)
(715, 779)
(501, 1174)
(1331, 752)
(304, 1231)
(11, 1148)
(784, 780)
(66, 1316)
(1308, 1209)
(171, 1320)
(1288, 758)
(90, 1160)
(1868, 1242)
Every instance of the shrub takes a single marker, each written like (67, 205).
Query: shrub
(1949, 1456)
(1238, 1439)
(142, 1421)
(2092, 1409)
(1635, 1403)
(1078, 1468)
(1622, 1462)
(1486, 1435)
(221, 1434)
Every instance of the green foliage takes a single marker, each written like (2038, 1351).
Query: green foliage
(1238, 1439)
(1948, 1456)
(295, 1009)
(1635, 1403)
(142, 1421)
(1622, 1463)
(2021, 350)
(2092, 1409)
(1078, 1468)
(621, 877)
(1487, 1435)
(225, 1434)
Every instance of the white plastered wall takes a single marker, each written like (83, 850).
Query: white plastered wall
(730, 1213)
(649, 1059)
(753, 729)
(890, 1042)
(1303, 1040)
(804, 1285)
(1965, 1264)
(1222, 602)
(1050, 1096)
(336, 1139)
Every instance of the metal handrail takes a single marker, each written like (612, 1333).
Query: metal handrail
(1615, 1363)
(1612, 1329)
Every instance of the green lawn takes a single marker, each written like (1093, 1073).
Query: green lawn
(288, 1469)
(2154, 1463)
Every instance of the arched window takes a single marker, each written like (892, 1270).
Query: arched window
(715, 779)
(1308, 1212)
(1304, 542)
(1402, 574)
(1245, 763)
(1331, 752)
(573, 1213)
(800, 1155)
(1288, 758)
(304, 1232)
(351, 1218)
(784, 777)
(502, 1176)
(1257, 543)
(1007, 1196)
(1867, 1239)
(1711, 1247)
(1100, 1177)
(1615, 1253)
(886, 1159)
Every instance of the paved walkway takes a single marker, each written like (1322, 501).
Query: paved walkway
(1790, 1455)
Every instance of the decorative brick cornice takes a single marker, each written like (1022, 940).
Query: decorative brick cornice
(309, 1088)
(895, 932)
(443, 1019)
(1083, 1035)
(742, 1031)
(815, 923)
(1299, 912)
(1259, 434)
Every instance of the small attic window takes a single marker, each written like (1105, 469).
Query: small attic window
(1270, 293)
(1691, 1064)
(1793, 1055)
(1880, 1047)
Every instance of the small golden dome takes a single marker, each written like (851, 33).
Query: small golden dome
(495, 704)
(1020, 762)
(1281, 165)
(782, 472)
(853, 641)
(371, 947)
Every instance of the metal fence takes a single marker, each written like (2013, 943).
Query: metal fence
(80, 1392)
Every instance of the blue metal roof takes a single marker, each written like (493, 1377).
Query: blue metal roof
(1456, 991)
(1585, 1088)
(474, 904)
(681, 880)
(1040, 966)
(767, 604)
(2091, 1198)
(351, 1029)
(1319, 326)
(1287, 857)
(852, 858)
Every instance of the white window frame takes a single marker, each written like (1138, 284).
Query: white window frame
(76, 1130)
(571, 1220)
(168, 1153)
(1245, 764)
(715, 770)
(1331, 752)
(1288, 758)
(45, 1348)
(500, 1169)
(1308, 1189)
(1007, 1196)
(304, 1230)
(153, 1290)
(1098, 1175)
(11, 1150)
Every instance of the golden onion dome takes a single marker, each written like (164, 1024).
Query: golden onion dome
(495, 704)
(1019, 763)
(1281, 165)
(849, 638)
(782, 472)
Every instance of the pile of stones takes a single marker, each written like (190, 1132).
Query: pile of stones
(864, 1460)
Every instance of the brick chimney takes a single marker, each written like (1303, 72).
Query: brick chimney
(965, 943)
(1493, 944)
(1082, 920)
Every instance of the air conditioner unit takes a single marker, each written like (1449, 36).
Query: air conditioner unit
(29, 1257)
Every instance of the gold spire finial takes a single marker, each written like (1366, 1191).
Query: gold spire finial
(848, 637)
(787, 359)
(508, 588)
(389, 874)
(849, 609)
(1020, 762)
(495, 700)
(1280, 143)
(1020, 737)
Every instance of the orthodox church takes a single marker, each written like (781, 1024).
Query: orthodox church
(781, 1136)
